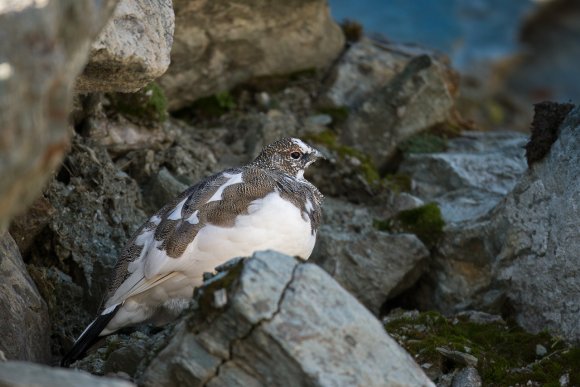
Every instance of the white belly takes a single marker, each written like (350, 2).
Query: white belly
(272, 223)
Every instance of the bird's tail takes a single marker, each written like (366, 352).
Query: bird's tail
(89, 336)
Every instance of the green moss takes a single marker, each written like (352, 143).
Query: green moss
(365, 167)
(338, 114)
(426, 222)
(148, 104)
(398, 182)
(424, 143)
(214, 106)
(326, 138)
(506, 354)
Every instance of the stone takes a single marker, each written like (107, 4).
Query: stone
(132, 49)
(286, 323)
(26, 228)
(541, 351)
(21, 307)
(220, 44)
(22, 374)
(467, 377)
(481, 318)
(537, 229)
(392, 92)
(36, 89)
(471, 177)
(519, 250)
(458, 356)
(374, 266)
(97, 208)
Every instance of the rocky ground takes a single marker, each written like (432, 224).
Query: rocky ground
(447, 255)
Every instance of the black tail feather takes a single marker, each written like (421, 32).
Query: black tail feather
(89, 337)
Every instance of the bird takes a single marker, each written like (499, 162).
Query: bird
(265, 205)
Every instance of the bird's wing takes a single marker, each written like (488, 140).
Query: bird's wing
(152, 255)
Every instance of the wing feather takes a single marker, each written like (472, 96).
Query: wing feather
(149, 257)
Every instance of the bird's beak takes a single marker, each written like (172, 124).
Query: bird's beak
(317, 155)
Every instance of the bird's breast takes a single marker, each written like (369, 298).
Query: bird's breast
(270, 223)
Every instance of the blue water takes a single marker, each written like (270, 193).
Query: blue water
(469, 31)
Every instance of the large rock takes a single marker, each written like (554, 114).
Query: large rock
(24, 323)
(538, 228)
(21, 374)
(219, 44)
(133, 48)
(467, 182)
(372, 265)
(42, 50)
(523, 254)
(393, 92)
(472, 176)
(274, 321)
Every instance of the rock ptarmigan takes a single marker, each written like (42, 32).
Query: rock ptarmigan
(267, 204)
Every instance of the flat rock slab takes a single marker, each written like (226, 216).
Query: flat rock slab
(285, 323)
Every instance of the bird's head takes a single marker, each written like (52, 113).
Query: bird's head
(289, 155)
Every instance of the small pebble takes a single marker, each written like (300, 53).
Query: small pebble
(541, 351)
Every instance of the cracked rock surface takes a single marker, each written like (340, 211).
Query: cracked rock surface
(284, 323)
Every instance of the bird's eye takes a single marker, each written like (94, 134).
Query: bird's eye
(295, 155)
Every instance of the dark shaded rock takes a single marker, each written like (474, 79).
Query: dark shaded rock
(284, 323)
(26, 228)
(548, 116)
(97, 209)
(374, 266)
(21, 374)
(24, 323)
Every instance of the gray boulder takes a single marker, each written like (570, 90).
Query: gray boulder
(274, 321)
(21, 374)
(372, 265)
(467, 182)
(133, 48)
(392, 92)
(537, 227)
(524, 252)
(472, 176)
(42, 50)
(220, 44)
(24, 321)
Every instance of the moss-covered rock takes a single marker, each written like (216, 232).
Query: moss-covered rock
(426, 222)
(506, 354)
(424, 143)
(148, 104)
